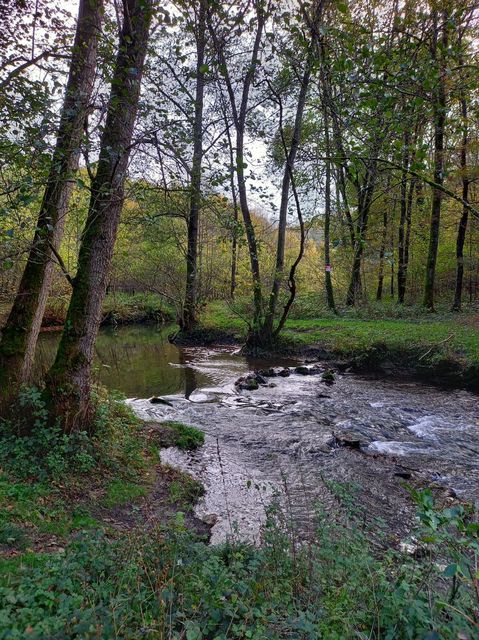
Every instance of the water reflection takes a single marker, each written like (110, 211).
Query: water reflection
(137, 360)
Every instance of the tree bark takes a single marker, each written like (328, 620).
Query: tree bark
(439, 110)
(461, 231)
(402, 268)
(189, 319)
(20, 334)
(69, 379)
(382, 251)
(267, 329)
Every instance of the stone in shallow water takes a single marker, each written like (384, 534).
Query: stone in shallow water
(302, 370)
(158, 400)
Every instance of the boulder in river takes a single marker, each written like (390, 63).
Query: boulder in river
(158, 400)
(250, 383)
(328, 377)
(302, 370)
(268, 373)
(347, 440)
(285, 373)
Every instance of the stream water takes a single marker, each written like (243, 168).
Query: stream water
(283, 439)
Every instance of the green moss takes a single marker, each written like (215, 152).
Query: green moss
(177, 434)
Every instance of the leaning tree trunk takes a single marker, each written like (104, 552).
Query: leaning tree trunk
(461, 232)
(69, 379)
(189, 318)
(439, 110)
(20, 334)
(267, 329)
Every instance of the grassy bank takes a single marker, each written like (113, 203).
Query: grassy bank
(439, 347)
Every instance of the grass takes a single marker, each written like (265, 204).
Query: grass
(177, 434)
(446, 343)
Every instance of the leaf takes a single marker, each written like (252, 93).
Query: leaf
(450, 571)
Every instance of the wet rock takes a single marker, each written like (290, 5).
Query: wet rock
(247, 384)
(328, 377)
(403, 473)
(347, 440)
(158, 400)
(268, 373)
(285, 373)
(259, 378)
(323, 396)
(271, 385)
(315, 370)
(302, 370)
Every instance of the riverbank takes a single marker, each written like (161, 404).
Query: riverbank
(99, 541)
(119, 308)
(436, 349)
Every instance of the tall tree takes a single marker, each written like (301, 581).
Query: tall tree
(189, 318)
(440, 39)
(69, 379)
(19, 336)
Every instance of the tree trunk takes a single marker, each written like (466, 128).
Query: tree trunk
(365, 194)
(327, 216)
(239, 119)
(461, 232)
(382, 251)
(69, 379)
(401, 274)
(189, 319)
(439, 110)
(20, 334)
(267, 329)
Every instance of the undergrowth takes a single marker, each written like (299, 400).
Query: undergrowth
(337, 586)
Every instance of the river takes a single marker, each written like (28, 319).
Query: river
(285, 438)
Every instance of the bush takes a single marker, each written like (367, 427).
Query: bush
(31, 447)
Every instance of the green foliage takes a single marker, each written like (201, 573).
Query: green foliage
(33, 448)
(177, 434)
(337, 586)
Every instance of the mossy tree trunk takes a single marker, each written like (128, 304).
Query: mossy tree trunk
(20, 334)
(69, 379)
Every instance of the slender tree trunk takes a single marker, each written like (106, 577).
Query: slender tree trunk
(267, 330)
(69, 379)
(461, 231)
(382, 251)
(189, 319)
(20, 334)
(364, 203)
(439, 110)
(401, 274)
(327, 216)
(239, 119)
